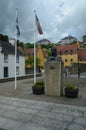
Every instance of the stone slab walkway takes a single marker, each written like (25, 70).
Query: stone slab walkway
(21, 110)
(23, 114)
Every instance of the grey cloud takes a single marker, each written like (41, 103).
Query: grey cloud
(56, 18)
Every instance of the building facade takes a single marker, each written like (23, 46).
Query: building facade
(7, 61)
(68, 54)
(82, 55)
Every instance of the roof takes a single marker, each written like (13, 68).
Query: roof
(8, 48)
(69, 37)
(43, 41)
(69, 47)
(84, 36)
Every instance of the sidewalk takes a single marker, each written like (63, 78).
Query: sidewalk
(82, 75)
(76, 76)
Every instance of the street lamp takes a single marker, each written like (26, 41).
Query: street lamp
(78, 64)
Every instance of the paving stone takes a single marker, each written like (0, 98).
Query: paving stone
(17, 116)
(27, 110)
(31, 127)
(9, 124)
(76, 127)
(80, 120)
(7, 107)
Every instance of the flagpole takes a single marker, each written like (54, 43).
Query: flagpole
(17, 35)
(16, 52)
(15, 62)
(34, 58)
(40, 32)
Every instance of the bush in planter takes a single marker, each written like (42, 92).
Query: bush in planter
(71, 90)
(38, 87)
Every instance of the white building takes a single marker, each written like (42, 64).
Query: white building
(12, 41)
(43, 42)
(67, 40)
(7, 61)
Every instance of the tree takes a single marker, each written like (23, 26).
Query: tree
(29, 45)
(47, 46)
(49, 52)
(4, 38)
(30, 61)
(20, 45)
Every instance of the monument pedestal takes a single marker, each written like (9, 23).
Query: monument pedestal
(54, 78)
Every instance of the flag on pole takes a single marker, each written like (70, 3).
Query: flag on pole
(38, 24)
(17, 26)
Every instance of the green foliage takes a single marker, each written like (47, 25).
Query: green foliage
(47, 46)
(30, 61)
(4, 38)
(57, 44)
(39, 83)
(49, 53)
(70, 86)
(29, 45)
(21, 44)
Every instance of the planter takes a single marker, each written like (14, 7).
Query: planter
(38, 90)
(72, 93)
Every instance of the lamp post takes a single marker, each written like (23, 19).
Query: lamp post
(78, 64)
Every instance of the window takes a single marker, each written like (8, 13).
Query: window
(80, 59)
(65, 60)
(17, 59)
(17, 70)
(61, 52)
(5, 58)
(71, 60)
(71, 52)
(66, 52)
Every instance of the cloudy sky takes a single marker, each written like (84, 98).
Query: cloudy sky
(58, 18)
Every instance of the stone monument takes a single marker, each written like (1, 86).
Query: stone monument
(54, 75)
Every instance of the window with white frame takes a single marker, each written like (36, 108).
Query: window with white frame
(5, 58)
(17, 59)
(17, 70)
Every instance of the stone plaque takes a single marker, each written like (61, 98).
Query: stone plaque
(52, 67)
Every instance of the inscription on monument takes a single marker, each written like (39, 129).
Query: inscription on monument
(52, 67)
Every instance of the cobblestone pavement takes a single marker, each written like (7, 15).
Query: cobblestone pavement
(23, 114)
